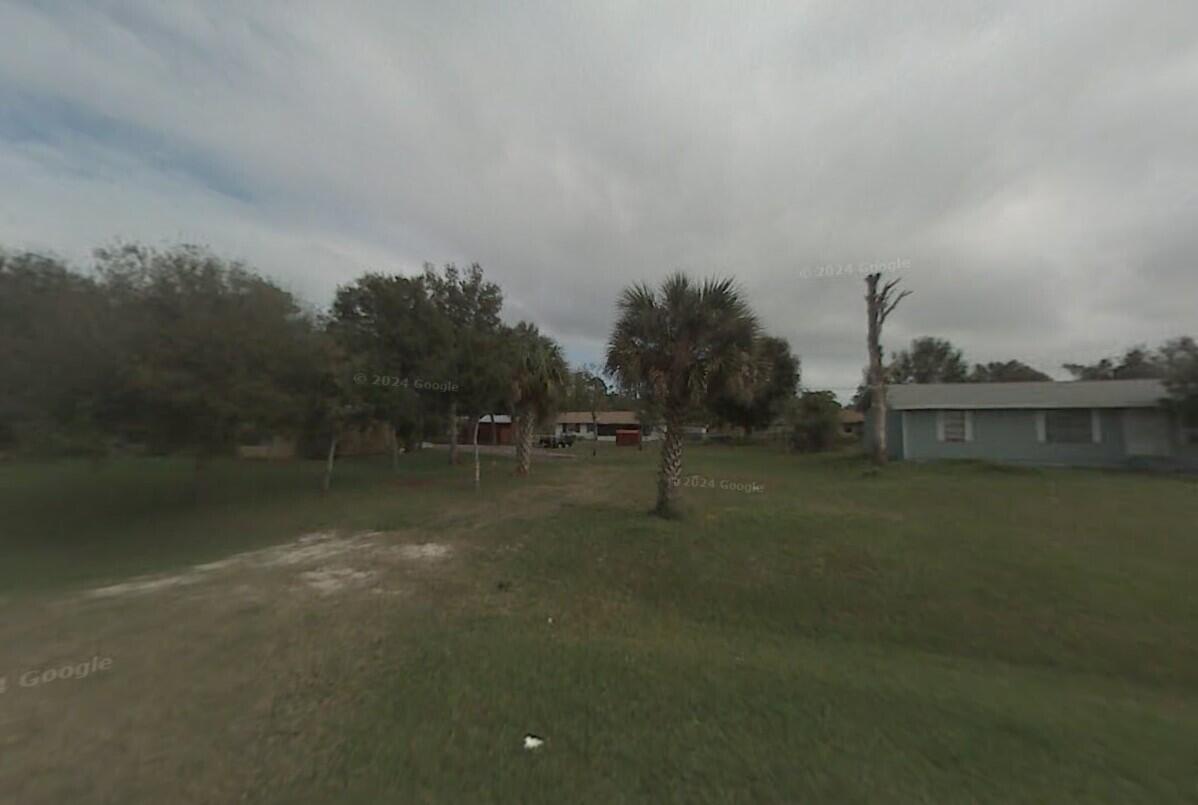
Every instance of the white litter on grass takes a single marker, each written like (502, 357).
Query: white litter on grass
(313, 548)
(143, 585)
(331, 579)
(532, 742)
(325, 552)
(218, 565)
(429, 550)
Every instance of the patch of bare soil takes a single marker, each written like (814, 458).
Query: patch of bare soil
(208, 685)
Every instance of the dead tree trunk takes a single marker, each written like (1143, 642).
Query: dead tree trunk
(453, 432)
(879, 305)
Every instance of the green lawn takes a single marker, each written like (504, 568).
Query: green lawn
(937, 633)
(69, 524)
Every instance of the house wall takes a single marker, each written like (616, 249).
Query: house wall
(1010, 436)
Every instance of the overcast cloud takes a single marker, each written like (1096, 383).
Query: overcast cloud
(1037, 163)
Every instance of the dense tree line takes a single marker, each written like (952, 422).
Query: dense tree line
(180, 350)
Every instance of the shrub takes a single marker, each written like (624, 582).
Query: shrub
(815, 418)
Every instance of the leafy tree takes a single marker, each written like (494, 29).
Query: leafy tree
(1179, 358)
(390, 326)
(580, 388)
(60, 353)
(928, 360)
(472, 305)
(1175, 363)
(588, 392)
(861, 396)
(1005, 372)
(775, 382)
(814, 418)
(1138, 362)
(679, 346)
(218, 349)
(334, 400)
(537, 383)
(486, 386)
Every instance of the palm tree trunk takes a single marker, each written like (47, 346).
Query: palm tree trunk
(328, 467)
(524, 436)
(528, 435)
(671, 466)
(453, 432)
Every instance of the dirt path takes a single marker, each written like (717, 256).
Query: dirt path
(208, 685)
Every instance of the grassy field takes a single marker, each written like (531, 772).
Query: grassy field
(937, 633)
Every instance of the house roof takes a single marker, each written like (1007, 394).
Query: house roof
(604, 418)
(1072, 394)
(851, 416)
(498, 419)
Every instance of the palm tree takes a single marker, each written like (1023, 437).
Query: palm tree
(678, 347)
(539, 374)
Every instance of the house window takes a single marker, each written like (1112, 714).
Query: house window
(955, 426)
(1069, 426)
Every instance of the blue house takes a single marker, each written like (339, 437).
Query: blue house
(1108, 423)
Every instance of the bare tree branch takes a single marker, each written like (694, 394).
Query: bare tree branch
(889, 306)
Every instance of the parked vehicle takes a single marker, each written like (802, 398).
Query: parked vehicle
(557, 440)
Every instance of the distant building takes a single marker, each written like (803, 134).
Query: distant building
(580, 422)
(492, 429)
(852, 422)
(367, 440)
(1103, 423)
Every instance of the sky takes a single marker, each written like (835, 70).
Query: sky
(1029, 169)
